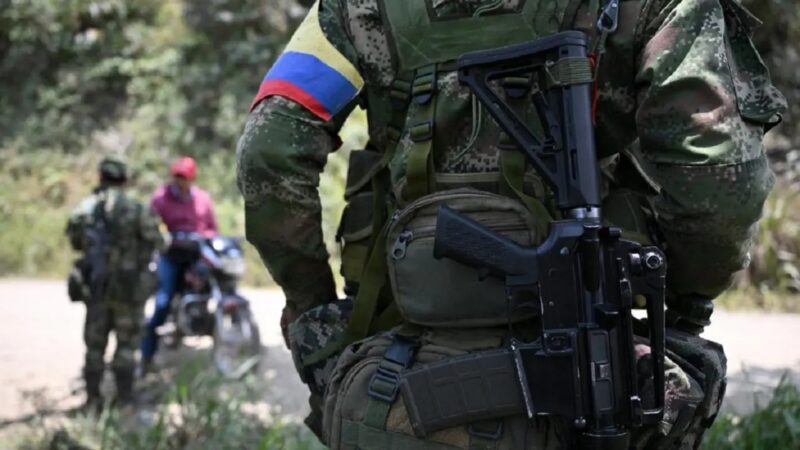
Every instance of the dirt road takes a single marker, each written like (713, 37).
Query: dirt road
(41, 350)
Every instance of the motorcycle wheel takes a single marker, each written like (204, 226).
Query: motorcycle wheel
(237, 343)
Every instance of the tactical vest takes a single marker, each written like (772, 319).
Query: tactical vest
(445, 352)
(116, 221)
(393, 192)
(427, 159)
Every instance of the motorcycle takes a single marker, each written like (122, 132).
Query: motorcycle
(208, 302)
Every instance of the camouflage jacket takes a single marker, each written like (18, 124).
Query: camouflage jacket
(683, 95)
(133, 236)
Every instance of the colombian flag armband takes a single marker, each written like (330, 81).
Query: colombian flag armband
(312, 72)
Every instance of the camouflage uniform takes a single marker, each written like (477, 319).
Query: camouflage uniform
(133, 237)
(684, 102)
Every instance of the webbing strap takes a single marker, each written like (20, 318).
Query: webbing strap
(356, 435)
(388, 318)
(485, 435)
(372, 281)
(385, 382)
(513, 163)
(512, 167)
(365, 304)
(399, 95)
(419, 166)
(566, 71)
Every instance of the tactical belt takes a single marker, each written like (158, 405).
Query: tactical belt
(461, 390)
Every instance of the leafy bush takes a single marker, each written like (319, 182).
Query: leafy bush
(775, 426)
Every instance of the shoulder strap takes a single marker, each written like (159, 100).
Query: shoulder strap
(99, 212)
(419, 167)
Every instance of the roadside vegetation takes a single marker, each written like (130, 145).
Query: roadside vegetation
(773, 426)
(194, 409)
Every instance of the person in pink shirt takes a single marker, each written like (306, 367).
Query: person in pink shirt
(186, 210)
(183, 206)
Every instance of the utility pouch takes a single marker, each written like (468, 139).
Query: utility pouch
(357, 223)
(444, 293)
(363, 405)
(355, 232)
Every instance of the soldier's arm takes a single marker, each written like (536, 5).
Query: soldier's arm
(150, 234)
(280, 157)
(703, 103)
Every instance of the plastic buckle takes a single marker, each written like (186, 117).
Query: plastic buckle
(400, 94)
(383, 375)
(400, 353)
(423, 87)
(422, 131)
(488, 435)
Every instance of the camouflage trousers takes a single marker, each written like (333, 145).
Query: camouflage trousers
(125, 320)
(694, 368)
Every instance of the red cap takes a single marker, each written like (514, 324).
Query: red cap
(184, 167)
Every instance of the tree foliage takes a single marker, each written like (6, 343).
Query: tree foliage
(177, 73)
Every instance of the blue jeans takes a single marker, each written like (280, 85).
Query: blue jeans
(169, 273)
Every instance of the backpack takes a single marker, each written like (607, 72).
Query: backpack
(113, 262)
(421, 362)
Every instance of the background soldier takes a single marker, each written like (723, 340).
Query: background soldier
(682, 106)
(117, 237)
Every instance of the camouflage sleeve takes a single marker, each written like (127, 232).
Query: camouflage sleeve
(704, 102)
(280, 157)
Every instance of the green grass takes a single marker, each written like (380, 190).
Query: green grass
(774, 426)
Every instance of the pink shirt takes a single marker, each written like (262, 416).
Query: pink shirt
(179, 212)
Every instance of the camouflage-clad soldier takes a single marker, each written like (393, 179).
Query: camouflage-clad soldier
(683, 102)
(117, 236)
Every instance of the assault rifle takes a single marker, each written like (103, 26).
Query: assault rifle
(96, 238)
(584, 276)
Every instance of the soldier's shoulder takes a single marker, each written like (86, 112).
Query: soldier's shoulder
(125, 203)
(85, 206)
(368, 35)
